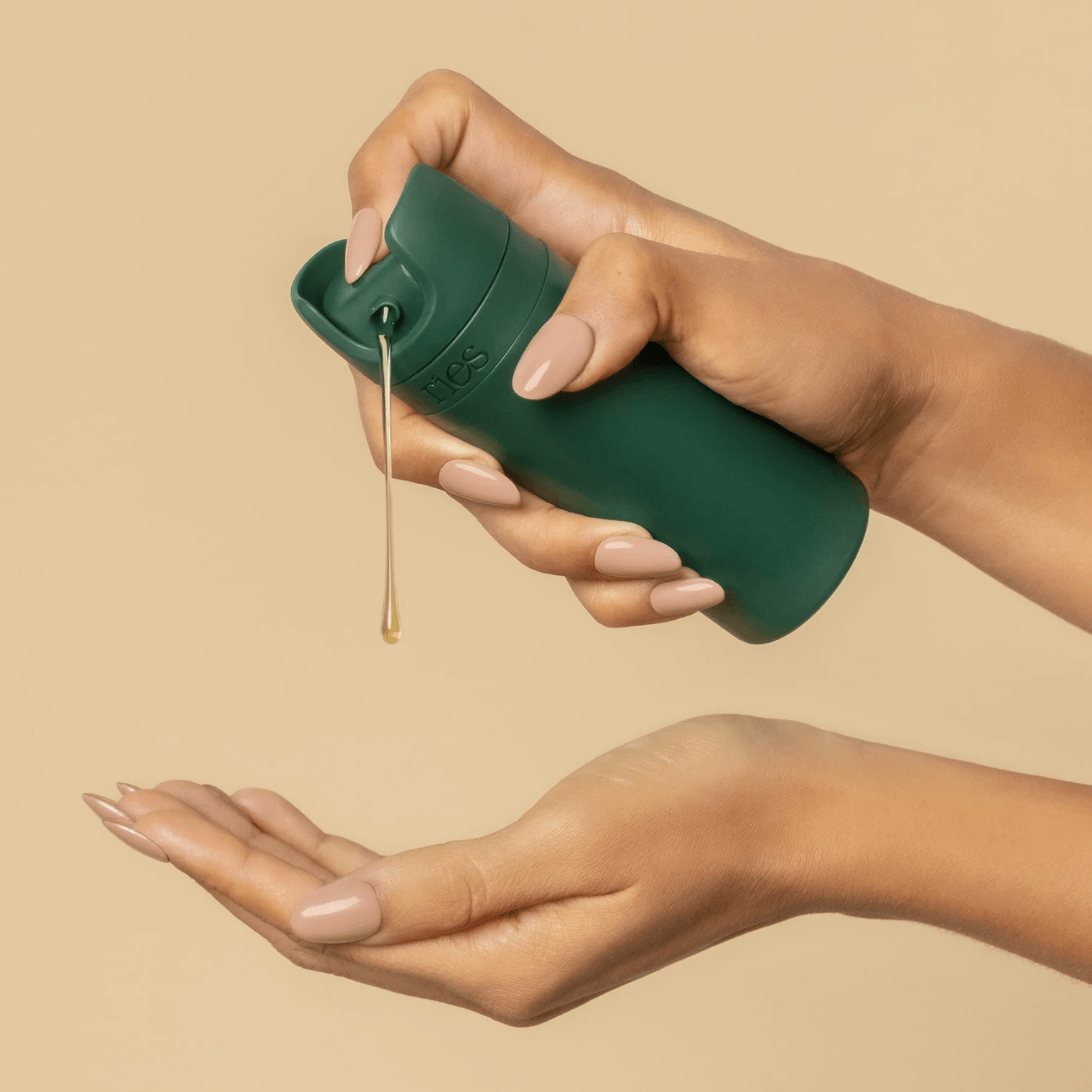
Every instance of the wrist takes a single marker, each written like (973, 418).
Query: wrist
(992, 854)
(872, 833)
(974, 389)
(995, 464)
(800, 800)
(937, 376)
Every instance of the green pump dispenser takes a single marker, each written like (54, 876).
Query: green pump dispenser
(775, 521)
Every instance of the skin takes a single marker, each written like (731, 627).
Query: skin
(663, 847)
(974, 434)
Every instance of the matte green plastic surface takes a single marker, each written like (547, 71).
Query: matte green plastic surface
(775, 521)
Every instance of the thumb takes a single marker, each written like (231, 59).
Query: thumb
(626, 292)
(440, 889)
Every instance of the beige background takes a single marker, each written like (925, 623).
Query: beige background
(192, 544)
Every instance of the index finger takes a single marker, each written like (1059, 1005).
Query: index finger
(448, 122)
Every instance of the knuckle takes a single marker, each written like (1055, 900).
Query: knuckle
(623, 271)
(544, 545)
(540, 559)
(620, 254)
(460, 892)
(374, 438)
(358, 165)
(361, 166)
(602, 602)
(437, 92)
(234, 885)
(307, 959)
(174, 785)
(517, 1006)
(251, 797)
(441, 84)
(379, 458)
(611, 619)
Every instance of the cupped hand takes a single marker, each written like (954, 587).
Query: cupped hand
(656, 850)
(847, 362)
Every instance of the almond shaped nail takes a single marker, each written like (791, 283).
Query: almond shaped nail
(555, 356)
(477, 482)
(140, 842)
(631, 555)
(679, 597)
(105, 808)
(124, 787)
(365, 235)
(341, 912)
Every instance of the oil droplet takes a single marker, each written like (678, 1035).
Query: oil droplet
(391, 626)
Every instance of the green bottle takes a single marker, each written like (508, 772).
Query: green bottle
(775, 521)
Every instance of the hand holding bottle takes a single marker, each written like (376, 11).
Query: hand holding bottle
(911, 396)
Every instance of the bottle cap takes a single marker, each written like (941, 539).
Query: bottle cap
(446, 247)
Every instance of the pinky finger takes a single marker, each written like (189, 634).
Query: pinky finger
(621, 603)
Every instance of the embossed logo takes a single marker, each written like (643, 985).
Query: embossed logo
(457, 375)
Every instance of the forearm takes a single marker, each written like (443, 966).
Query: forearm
(1002, 857)
(1004, 475)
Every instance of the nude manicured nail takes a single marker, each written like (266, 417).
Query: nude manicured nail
(343, 911)
(473, 481)
(365, 236)
(555, 356)
(677, 597)
(124, 787)
(140, 842)
(104, 808)
(631, 555)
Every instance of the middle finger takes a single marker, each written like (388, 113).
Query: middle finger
(205, 801)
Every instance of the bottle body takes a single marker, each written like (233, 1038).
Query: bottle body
(775, 521)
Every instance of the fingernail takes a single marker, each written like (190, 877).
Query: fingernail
(124, 787)
(343, 911)
(364, 238)
(631, 555)
(685, 596)
(104, 808)
(140, 842)
(554, 358)
(473, 481)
